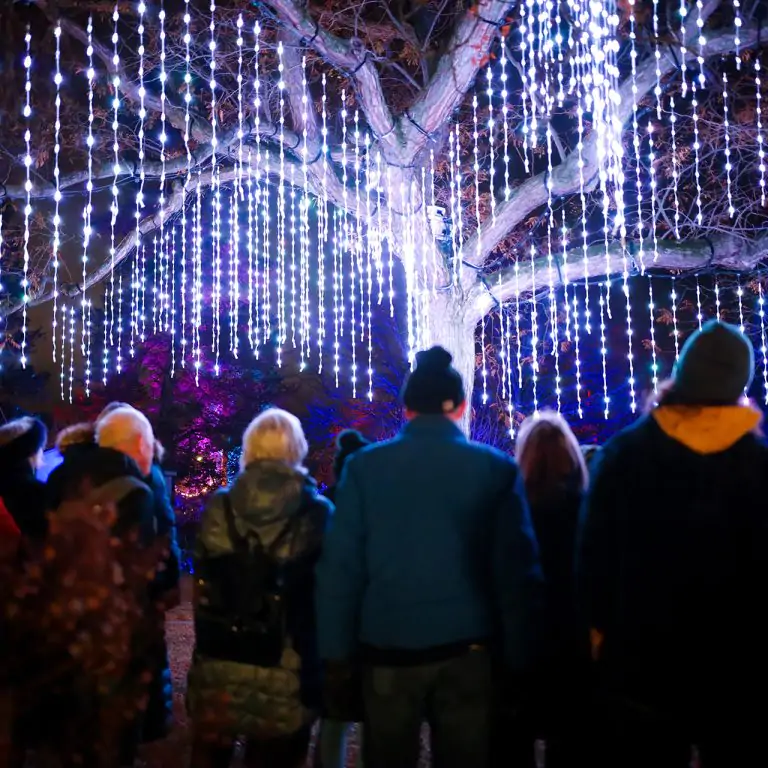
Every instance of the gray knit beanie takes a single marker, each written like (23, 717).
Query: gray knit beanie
(716, 365)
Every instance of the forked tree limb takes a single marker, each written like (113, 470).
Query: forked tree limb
(532, 194)
(728, 252)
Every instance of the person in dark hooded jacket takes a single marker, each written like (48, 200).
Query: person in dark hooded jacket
(268, 690)
(21, 445)
(77, 444)
(673, 568)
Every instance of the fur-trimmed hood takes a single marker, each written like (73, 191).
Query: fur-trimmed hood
(78, 434)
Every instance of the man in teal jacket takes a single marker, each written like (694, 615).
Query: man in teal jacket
(429, 574)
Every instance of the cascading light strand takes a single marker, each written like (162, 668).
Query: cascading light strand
(517, 325)
(740, 298)
(282, 334)
(553, 320)
(763, 345)
(759, 119)
(63, 347)
(675, 164)
(695, 114)
(28, 190)
(266, 304)
(322, 239)
(304, 224)
(239, 194)
(249, 248)
(164, 302)
(699, 313)
(216, 197)
(140, 290)
(173, 300)
(187, 178)
(87, 213)
(636, 134)
(478, 233)
(57, 79)
(675, 330)
(504, 116)
(737, 24)
(109, 323)
(491, 129)
(654, 356)
(727, 132)
(534, 334)
(717, 301)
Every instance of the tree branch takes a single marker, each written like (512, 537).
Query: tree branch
(533, 193)
(728, 252)
(199, 128)
(349, 56)
(456, 71)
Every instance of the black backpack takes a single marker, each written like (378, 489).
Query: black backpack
(241, 608)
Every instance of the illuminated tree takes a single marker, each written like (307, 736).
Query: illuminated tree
(412, 68)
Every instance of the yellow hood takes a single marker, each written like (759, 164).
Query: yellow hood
(708, 429)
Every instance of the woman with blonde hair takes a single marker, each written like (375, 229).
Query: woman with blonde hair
(555, 476)
(255, 672)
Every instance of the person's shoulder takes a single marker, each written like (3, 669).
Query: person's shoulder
(489, 455)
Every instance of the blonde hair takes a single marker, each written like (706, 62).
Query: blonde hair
(549, 456)
(121, 425)
(274, 435)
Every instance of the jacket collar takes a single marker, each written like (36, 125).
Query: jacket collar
(710, 429)
(433, 427)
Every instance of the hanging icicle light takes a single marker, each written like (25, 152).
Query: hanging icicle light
(652, 313)
(28, 190)
(216, 202)
(763, 345)
(187, 180)
(675, 331)
(759, 118)
(699, 313)
(727, 132)
(478, 235)
(139, 290)
(87, 212)
(534, 334)
(675, 164)
(57, 79)
(282, 330)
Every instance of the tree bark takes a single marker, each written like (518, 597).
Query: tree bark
(451, 327)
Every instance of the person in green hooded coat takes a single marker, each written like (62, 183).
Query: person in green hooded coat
(255, 673)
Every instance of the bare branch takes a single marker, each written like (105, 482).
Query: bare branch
(725, 251)
(533, 193)
(349, 56)
(200, 129)
(458, 67)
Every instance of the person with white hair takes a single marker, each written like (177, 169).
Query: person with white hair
(255, 671)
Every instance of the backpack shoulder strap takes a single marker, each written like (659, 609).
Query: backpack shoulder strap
(114, 491)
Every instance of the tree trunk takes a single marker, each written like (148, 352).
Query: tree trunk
(450, 327)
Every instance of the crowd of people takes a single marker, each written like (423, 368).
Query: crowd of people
(602, 609)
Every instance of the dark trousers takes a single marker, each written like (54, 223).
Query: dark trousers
(281, 752)
(454, 697)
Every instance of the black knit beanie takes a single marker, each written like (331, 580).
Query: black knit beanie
(347, 442)
(434, 386)
(20, 440)
(716, 365)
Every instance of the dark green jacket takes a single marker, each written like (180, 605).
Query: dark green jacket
(236, 698)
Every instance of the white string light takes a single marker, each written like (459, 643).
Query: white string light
(604, 350)
(304, 223)
(281, 212)
(322, 239)
(759, 118)
(553, 321)
(28, 190)
(630, 353)
(72, 323)
(261, 197)
(459, 260)
(336, 301)
(534, 333)
(109, 323)
(727, 130)
(654, 360)
(525, 36)
(293, 270)
(763, 346)
(250, 251)
(57, 198)
(187, 181)
(198, 276)
(653, 185)
(372, 239)
(740, 295)
(583, 200)
(675, 164)
(62, 375)
(139, 247)
(695, 111)
(87, 211)
(636, 135)
(343, 237)
(239, 195)
(173, 299)
(492, 157)
(517, 325)
(737, 29)
(266, 304)
(504, 117)
(717, 301)
(699, 313)
(164, 306)
(478, 236)
(216, 203)
(675, 331)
